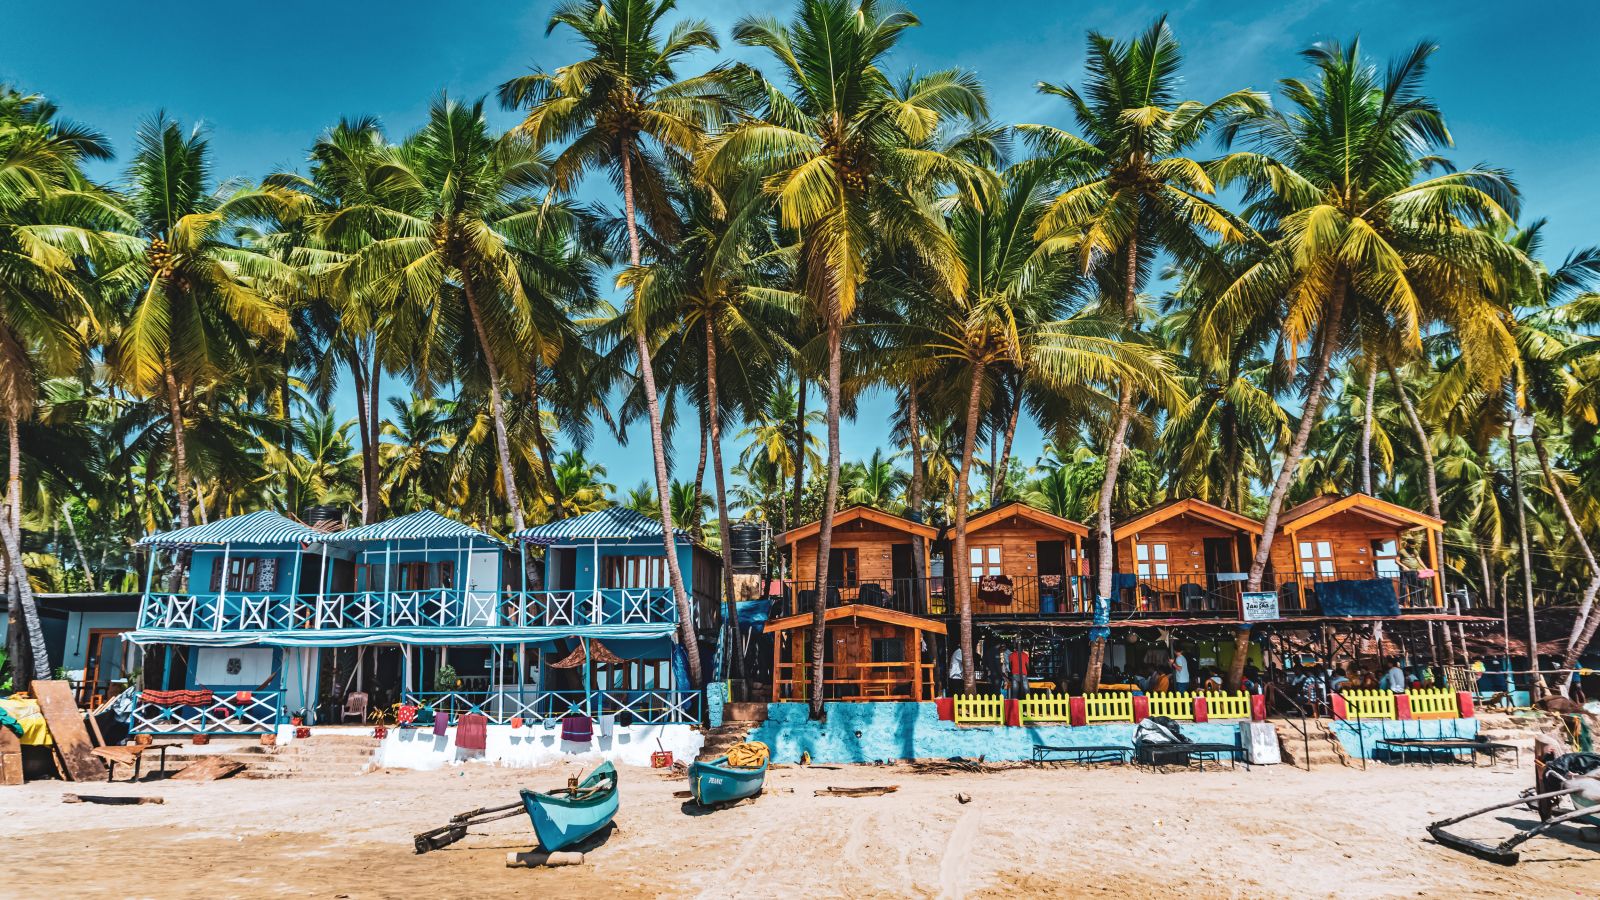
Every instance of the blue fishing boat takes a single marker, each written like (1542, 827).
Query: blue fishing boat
(716, 782)
(566, 816)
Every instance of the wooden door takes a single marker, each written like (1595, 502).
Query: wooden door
(107, 662)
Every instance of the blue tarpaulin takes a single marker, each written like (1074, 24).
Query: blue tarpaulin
(754, 612)
(1367, 597)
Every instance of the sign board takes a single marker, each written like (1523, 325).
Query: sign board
(1257, 606)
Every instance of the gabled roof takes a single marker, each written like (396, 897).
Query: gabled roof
(1188, 506)
(611, 523)
(1022, 510)
(860, 611)
(423, 524)
(1319, 508)
(862, 514)
(260, 527)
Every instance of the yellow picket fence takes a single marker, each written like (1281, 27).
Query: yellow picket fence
(1223, 705)
(1047, 708)
(1113, 706)
(1370, 704)
(1434, 703)
(980, 709)
(1175, 705)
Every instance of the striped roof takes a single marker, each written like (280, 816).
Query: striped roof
(416, 526)
(613, 522)
(262, 527)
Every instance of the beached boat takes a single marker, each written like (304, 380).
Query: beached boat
(564, 817)
(717, 782)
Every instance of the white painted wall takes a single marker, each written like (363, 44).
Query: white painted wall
(527, 747)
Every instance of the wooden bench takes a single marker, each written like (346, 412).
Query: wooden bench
(131, 755)
(1085, 754)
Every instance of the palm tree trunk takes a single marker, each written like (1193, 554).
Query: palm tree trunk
(358, 376)
(542, 442)
(724, 533)
(22, 590)
(647, 376)
(1327, 344)
(508, 479)
(1429, 468)
(1366, 428)
(1535, 679)
(77, 546)
(997, 481)
(180, 452)
(1586, 605)
(830, 500)
(919, 561)
(962, 566)
(375, 427)
(700, 467)
(799, 443)
(1108, 483)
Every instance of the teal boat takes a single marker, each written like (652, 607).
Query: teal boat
(565, 817)
(716, 782)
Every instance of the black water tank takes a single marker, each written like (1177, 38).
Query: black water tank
(746, 541)
(316, 515)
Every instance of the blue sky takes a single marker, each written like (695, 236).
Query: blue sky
(266, 78)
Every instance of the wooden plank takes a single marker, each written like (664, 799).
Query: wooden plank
(65, 720)
(540, 859)
(874, 791)
(209, 769)
(110, 801)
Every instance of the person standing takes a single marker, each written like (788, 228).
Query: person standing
(1180, 672)
(957, 674)
(1395, 679)
(1017, 663)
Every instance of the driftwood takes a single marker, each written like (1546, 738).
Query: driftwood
(104, 800)
(209, 769)
(874, 791)
(65, 721)
(538, 859)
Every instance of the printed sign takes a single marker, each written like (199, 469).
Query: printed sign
(1259, 605)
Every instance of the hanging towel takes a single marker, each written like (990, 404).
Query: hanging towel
(472, 732)
(608, 722)
(441, 724)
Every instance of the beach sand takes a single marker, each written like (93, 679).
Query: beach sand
(1267, 832)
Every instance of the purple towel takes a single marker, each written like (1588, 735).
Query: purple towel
(441, 723)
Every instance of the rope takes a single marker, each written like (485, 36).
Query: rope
(748, 755)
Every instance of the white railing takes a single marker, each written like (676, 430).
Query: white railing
(202, 712)
(650, 707)
(431, 608)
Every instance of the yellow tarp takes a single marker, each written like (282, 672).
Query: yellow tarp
(26, 712)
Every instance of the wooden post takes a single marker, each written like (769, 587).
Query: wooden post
(1075, 575)
(916, 665)
(777, 658)
(1433, 561)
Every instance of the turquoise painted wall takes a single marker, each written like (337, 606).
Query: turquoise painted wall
(456, 550)
(585, 573)
(78, 626)
(1351, 734)
(205, 559)
(885, 732)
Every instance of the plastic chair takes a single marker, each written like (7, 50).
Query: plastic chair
(355, 704)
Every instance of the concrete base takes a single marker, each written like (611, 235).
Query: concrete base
(889, 732)
(420, 748)
(1361, 738)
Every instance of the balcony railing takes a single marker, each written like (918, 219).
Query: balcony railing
(1031, 595)
(433, 608)
(917, 596)
(202, 712)
(646, 707)
(1297, 592)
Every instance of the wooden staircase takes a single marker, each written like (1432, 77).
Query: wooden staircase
(319, 756)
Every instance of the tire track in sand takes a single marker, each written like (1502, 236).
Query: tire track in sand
(957, 863)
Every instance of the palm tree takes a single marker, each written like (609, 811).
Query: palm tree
(455, 210)
(779, 433)
(1357, 237)
(582, 484)
(845, 155)
(1130, 194)
(51, 221)
(414, 466)
(199, 301)
(873, 482)
(612, 106)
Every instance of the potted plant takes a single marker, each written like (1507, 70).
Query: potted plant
(445, 678)
(200, 740)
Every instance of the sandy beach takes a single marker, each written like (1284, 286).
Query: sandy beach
(1270, 832)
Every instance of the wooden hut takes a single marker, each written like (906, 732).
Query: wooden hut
(1183, 556)
(871, 561)
(1355, 537)
(1026, 561)
(872, 653)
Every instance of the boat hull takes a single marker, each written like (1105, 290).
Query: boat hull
(561, 821)
(716, 782)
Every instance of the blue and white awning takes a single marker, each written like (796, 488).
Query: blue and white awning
(425, 524)
(430, 637)
(264, 527)
(611, 523)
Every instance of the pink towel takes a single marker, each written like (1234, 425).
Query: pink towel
(472, 732)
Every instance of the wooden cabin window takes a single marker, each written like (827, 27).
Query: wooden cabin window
(1153, 561)
(984, 561)
(842, 571)
(635, 572)
(1386, 559)
(425, 576)
(1316, 558)
(889, 650)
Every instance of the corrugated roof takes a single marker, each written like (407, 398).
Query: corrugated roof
(416, 526)
(261, 527)
(613, 522)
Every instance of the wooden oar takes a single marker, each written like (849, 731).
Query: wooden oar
(446, 835)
